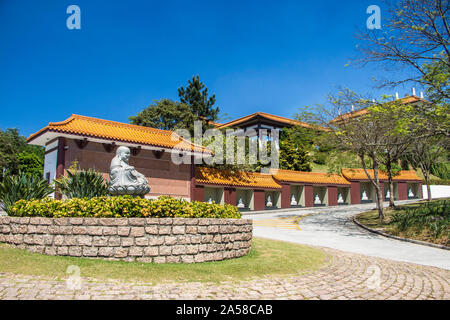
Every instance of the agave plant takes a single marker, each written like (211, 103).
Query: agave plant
(22, 186)
(82, 184)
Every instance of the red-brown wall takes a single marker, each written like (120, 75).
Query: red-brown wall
(285, 195)
(229, 195)
(199, 193)
(164, 177)
(332, 196)
(309, 196)
(354, 192)
(259, 200)
(402, 191)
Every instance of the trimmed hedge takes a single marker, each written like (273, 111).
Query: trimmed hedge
(122, 206)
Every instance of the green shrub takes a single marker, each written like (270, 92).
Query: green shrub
(22, 186)
(441, 170)
(82, 184)
(320, 158)
(433, 216)
(123, 206)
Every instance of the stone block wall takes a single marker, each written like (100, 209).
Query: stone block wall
(157, 240)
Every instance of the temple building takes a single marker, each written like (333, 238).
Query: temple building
(91, 143)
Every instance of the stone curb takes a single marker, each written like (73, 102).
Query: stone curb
(423, 243)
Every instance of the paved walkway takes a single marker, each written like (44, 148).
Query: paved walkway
(332, 228)
(345, 276)
(360, 265)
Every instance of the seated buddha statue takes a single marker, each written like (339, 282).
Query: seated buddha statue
(124, 179)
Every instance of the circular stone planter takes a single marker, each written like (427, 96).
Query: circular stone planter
(158, 240)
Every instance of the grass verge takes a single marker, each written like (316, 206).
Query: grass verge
(412, 221)
(266, 258)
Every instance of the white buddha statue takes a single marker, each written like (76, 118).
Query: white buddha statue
(340, 199)
(388, 194)
(364, 196)
(410, 193)
(317, 199)
(293, 201)
(124, 179)
(210, 200)
(269, 202)
(240, 203)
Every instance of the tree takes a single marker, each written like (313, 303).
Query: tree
(11, 145)
(396, 119)
(294, 151)
(30, 163)
(166, 114)
(416, 38)
(195, 95)
(363, 135)
(426, 152)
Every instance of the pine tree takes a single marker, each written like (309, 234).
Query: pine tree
(293, 154)
(196, 97)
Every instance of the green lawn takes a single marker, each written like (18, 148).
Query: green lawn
(319, 167)
(266, 257)
(419, 227)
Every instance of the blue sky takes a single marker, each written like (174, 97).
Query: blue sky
(270, 56)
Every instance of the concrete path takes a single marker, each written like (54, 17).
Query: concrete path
(332, 227)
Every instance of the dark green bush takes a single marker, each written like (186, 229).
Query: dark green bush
(123, 206)
(82, 184)
(22, 186)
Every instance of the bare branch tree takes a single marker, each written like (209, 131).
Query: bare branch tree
(415, 37)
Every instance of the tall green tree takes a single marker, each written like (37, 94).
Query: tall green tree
(166, 114)
(16, 154)
(31, 163)
(294, 150)
(196, 96)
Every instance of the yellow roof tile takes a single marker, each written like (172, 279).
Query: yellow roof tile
(361, 112)
(117, 131)
(359, 174)
(308, 177)
(213, 176)
(267, 116)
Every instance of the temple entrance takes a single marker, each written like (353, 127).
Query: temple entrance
(244, 199)
(413, 190)
(320, 196)
(297, 198)
(214, 195)
(366, 192)
(343, 196)
(272, 200)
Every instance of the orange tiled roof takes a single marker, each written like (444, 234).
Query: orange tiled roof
(308, 177)
(267, 116)
(359, 174)
(358, 113)
(117, 131)
(213, 176)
